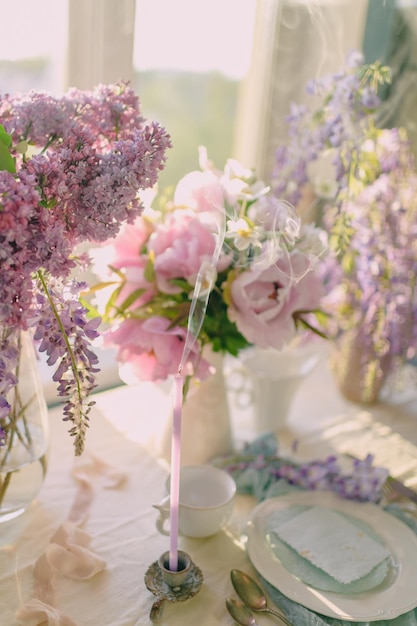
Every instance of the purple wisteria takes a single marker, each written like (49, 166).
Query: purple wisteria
(71, 168)
(335, 128)
(362, 483)
(362, 179)
(259, 470)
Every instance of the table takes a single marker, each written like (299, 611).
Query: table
(121, 520)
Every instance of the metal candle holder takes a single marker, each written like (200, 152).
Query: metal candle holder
(172, 586)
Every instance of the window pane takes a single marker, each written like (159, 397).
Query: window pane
(33, 45)
(190, 58)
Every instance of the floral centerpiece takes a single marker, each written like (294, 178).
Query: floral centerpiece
(361, 179)
(70, 171)
(219, 260)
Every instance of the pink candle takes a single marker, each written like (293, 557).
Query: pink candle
(175, 472)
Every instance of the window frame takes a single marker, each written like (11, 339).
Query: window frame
(100, 42)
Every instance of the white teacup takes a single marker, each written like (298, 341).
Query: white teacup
(206, 501)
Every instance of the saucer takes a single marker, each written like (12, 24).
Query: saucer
(156, 584)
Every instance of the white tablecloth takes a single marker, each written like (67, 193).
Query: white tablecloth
(121, 521)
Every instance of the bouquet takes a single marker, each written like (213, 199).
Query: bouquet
(70, 171)
(362, 179)
(218, 261)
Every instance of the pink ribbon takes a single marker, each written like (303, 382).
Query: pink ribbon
(37, 613)
(68, 553)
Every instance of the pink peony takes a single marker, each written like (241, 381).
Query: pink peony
(124, 254)
(153, 349)
(127, 245)
(263, 302)
(200, 191)
(180, 246)
(136, 287)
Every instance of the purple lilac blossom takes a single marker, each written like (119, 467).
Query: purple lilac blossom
(81, 160)
(75, 373)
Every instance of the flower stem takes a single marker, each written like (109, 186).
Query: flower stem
(4, 485)
(17, 413)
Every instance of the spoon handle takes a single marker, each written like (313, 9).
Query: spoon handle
(278, 614)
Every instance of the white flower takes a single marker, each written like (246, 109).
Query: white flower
(234, 169)
(242, 234)
(241, 184)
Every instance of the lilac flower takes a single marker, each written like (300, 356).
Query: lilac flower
(36, 117)
(111, 111)
(8, 362)
(81, 160)
(77, 367)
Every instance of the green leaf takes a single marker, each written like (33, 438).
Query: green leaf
(5, 137)
(100, 286)
(115, 270)
(149, 271)
(7, 162)
(184, 285)
(131, 299)
(219, 330)
(322, 317)
(299, 320)
(111, 302)
(302, 322)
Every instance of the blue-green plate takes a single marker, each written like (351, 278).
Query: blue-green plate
(395, 595)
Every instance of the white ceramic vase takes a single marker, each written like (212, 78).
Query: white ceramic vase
(205, 421)
(274, 377)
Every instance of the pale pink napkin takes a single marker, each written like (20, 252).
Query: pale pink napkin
(68, 553)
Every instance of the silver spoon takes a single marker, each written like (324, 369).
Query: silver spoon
(252, 595)
(240, 613)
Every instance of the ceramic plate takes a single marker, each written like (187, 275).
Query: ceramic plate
(395, 596)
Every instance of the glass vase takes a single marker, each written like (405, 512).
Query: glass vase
(23, 457)
(359, 374)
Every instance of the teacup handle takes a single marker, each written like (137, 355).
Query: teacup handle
(163, 508)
